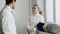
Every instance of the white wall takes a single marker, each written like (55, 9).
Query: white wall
(22, 10)
(49, 10)
(57, 11)
(22, 14)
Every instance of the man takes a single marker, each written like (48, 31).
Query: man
(8, 21)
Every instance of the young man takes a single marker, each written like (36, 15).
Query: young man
(8, 21)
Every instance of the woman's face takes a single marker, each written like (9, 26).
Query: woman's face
(35, 10)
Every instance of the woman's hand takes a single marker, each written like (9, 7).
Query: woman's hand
(30, 30)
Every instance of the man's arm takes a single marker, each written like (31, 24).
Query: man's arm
(5, 22)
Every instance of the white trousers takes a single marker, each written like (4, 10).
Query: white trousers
(34, 32)
(11, 33)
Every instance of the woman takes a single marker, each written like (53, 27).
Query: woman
(35, 19)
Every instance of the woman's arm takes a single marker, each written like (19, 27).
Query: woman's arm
(42, 19)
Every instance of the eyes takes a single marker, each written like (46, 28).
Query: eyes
(33, 8)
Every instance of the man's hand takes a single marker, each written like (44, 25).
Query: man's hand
(30, 30)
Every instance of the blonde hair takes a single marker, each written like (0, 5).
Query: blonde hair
(40, 12)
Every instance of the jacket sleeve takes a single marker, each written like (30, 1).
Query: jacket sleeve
(28, 26)
(42, 19)
(5, 22)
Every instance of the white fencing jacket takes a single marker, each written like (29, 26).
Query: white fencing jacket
(8, 21)
(34, 20)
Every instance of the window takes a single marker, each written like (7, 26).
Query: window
(57, 5)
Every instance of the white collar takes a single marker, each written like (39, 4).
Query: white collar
(8, 7)
(36, 14)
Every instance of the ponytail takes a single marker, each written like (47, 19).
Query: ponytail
(40, 12)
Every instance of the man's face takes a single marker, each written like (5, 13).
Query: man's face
(13, 4)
